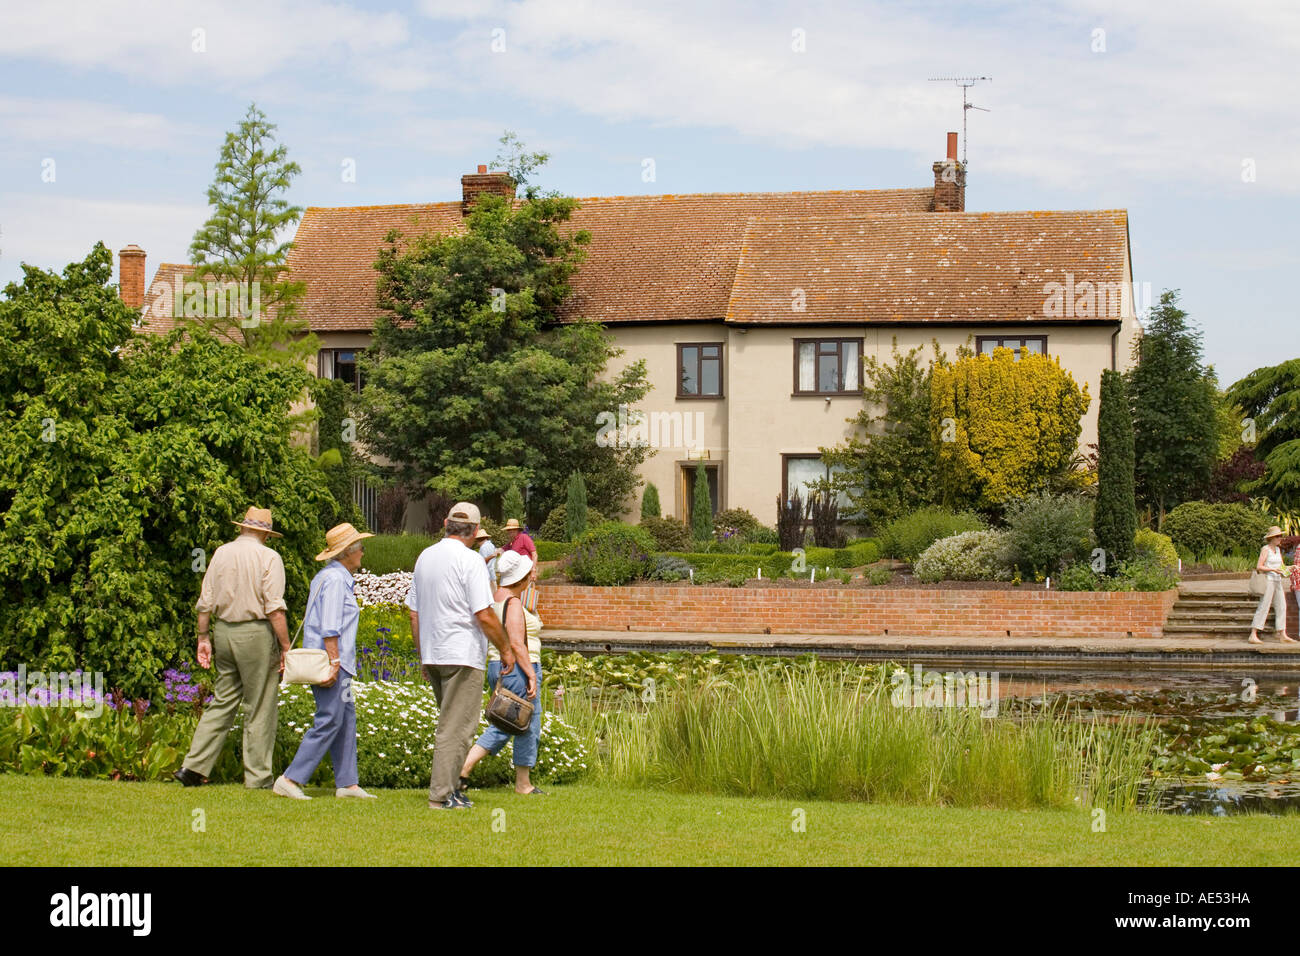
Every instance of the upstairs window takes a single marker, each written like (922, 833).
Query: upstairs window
(827, 366)
(341, 364)
(699, 370)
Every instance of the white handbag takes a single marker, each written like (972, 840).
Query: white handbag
(306, 665)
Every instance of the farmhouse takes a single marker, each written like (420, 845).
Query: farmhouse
(754, 311)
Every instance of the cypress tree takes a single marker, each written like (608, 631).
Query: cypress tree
(513, 504)
(701, 506)
(650, 502)
(575, 508)
(1115, 513)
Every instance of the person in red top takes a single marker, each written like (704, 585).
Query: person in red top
(518, 540)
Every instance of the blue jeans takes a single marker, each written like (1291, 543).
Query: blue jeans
(526, 743)
(334, 731)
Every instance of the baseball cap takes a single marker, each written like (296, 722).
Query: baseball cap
(464, 511)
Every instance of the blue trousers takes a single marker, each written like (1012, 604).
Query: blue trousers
(525, 750)
(334, 732)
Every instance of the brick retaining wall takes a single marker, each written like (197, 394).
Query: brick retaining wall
(855, 611)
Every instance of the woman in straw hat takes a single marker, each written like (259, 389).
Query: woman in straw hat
(331, 623)
(1271, 565)
(524, 628)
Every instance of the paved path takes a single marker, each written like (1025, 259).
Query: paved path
(1180, 652)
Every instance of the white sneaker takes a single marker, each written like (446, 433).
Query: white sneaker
(285, 787)
(353, 792)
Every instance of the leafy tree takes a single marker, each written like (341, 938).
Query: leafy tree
(1270, 397)
(1003, 426)
(888, 468)
(575, 508)
(518, 163)
(239, 244)
(1115, 510)
(472, 381)
(125, 458)
(650, 502)
(334, 401)
(1175, 429)
(701, 505)
(513, 503)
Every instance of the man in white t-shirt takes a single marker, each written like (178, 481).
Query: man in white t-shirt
(452, 620)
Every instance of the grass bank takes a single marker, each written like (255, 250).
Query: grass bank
(56, 822)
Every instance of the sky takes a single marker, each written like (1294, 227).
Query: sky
(1184, 114)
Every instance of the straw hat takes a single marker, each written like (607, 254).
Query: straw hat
(258, 519)
(1273, 532)
(512, 525)
(482, 535)
(339, 538)
(513, 567)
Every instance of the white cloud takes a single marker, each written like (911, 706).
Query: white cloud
(58, 122)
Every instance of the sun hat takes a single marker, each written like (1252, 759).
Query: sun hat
(465, 512)
(513, 567)
(1274, 532)
(339, 538)
(258, 519)
(482, 535)
(512, 525)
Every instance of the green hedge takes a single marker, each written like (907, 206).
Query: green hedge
(553, 550)
(386, 553)
(1210, 529)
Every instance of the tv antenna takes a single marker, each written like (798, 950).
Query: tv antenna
(965, 82)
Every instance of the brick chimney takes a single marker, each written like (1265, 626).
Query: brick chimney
(950, 181)
(130, 275)
(474, 184)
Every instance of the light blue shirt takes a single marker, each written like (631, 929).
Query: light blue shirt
(333, 612)
(489, 550)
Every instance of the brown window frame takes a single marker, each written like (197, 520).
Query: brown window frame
(334, 364)
(839, 341)
(981, 339)
(699, 369)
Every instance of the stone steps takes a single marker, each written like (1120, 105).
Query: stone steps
(1220, 613)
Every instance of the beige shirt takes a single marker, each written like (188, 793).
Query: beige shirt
(244, 582)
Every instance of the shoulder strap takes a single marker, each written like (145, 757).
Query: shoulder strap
(311, 598)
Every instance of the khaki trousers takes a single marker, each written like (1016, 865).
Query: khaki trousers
(247, 660)
(459, 691)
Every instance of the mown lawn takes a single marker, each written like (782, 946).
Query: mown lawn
(52, 822)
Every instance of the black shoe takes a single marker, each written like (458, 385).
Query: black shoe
(189, 778)
(535, 792)
(460, 795)
(453, 802)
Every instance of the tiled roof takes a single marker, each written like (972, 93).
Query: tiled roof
(940, 267)
(650, 257)
(156, 313)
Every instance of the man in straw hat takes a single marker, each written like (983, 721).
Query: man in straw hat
(330, 624)
(243, 588)
(452, 620)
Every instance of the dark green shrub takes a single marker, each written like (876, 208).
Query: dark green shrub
(734, 522)
(612, 553)
(1206, 529)
(906, 537)
(669, 534)
(553, 550)
(553, 528)
(513, 504)
(386, 553)
(1115, 511)
(1049, 532)
(701, 505)
(762, 534)
(650, 502)
(1079, 577)
(575, 508)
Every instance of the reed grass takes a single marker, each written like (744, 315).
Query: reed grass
(813, 732)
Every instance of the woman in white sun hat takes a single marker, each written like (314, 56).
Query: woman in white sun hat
(1271, 565)
(524, 628)
(331, 623)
